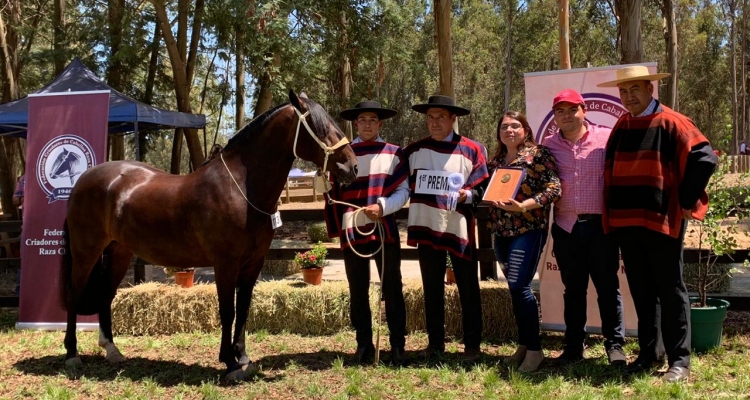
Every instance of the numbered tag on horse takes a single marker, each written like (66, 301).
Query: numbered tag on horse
(321, 183)
(275, 220)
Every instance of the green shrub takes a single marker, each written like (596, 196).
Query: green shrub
(316, 232)
(721, 273)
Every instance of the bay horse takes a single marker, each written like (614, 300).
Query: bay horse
(219, 215)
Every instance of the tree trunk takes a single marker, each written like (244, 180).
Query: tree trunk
(265, 91)
(59, 36)
(115, 71)
(183, 65)
(445, 56)
(743, 75)
(346, 75)
(631, 44)
(239, 113)
(564, 18)
(670, 39)
(509, 55)
(11, 159)
(174, 166)
(733, 72)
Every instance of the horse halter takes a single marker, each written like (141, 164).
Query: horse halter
(326, 149)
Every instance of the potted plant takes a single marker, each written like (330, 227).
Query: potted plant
(182, 276)
(716, 237)
(311, 263)
(450, 277)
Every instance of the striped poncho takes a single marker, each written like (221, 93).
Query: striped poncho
(381, 168)
(655, 166)
(430, 222)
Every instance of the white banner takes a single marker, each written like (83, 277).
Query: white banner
(603, 108)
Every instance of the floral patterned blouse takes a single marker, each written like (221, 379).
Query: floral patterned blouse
(541, 183)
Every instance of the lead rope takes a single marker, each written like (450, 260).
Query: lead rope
(379, 227)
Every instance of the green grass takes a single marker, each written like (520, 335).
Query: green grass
(185, 366)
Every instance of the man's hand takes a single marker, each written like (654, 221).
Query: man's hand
(462, 196)
(687, 214)
(374, 211)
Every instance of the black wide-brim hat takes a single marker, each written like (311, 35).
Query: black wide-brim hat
(368, 106)
(440, 101)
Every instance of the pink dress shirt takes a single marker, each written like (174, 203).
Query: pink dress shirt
(581, 169)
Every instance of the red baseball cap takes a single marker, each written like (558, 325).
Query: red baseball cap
(568, 96)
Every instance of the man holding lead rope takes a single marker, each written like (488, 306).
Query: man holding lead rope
(362, 216)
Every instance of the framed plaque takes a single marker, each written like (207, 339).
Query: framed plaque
(504, 184)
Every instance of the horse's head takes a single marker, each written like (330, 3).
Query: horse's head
(320, 140)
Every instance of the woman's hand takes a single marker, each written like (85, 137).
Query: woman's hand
(510, 205)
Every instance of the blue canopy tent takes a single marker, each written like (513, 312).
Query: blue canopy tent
(125, 114)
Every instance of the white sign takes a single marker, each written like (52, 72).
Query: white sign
(432, 182)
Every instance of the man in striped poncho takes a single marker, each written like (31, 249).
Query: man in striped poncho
(657, 166)
(440, 229)
(380, 189)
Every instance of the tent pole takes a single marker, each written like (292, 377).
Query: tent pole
(137, 142)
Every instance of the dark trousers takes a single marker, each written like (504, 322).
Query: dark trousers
(653, 265)
(587, 252)
(358, 275)
(432, 264)
(519, 256)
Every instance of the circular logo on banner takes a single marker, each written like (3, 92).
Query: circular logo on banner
(601, 109)
(60, 163)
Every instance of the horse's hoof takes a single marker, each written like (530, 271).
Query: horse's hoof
(251, 369)
(73, 362)
(238, 375)
(115, 358)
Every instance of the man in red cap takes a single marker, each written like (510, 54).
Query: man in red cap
(580, 245)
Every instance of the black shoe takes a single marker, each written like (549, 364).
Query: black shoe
(569, 357)
(471, 354)
(433, 353)
(641, 365)
(676, 374)
(616, 356)
(397, 356)
(365, 354)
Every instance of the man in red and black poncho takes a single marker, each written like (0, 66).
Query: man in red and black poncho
(657, 167)
(382, 189)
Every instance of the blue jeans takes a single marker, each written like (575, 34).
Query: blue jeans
(519, 257)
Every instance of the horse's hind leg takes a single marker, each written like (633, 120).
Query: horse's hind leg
(245, 284)
(117, 259)
(71, 343)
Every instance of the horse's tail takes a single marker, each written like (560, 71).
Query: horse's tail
(88, 302)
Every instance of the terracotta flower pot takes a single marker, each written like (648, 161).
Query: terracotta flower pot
(313, 276)
(184, 278)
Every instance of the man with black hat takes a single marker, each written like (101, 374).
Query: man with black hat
(581, 248)
(379, 191)
(657, 165)
(445, 169)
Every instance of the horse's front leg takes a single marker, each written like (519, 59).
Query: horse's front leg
(246, 284)
(71, 343)
(226, 281)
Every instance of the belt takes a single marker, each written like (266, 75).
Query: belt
(588, 217)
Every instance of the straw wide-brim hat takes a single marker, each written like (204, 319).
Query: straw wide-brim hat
(439, 101)
(633, 73)
(368, 106)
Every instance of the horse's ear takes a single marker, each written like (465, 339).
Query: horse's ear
(295, 100)
(303, 95)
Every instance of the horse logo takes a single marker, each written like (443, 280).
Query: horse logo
(60, 163)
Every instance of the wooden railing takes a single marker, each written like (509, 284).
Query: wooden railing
(740, 163)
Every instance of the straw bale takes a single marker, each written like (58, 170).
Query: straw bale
(294, 307)
(280, 267)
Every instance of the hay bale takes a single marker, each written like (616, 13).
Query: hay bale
(280, 267)
(294, 307)
(317, 232)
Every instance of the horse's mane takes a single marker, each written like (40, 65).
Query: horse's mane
(317, 119)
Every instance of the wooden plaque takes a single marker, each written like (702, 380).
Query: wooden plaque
(504, 184)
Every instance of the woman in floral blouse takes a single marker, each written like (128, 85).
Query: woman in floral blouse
(520, 227)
